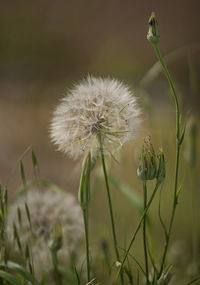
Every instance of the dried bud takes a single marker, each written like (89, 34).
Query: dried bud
(56, 240)
(153, 35)
(147, 169)
(161, 167)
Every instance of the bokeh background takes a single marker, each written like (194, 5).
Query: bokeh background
(46, 46)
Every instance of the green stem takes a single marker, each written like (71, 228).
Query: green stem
(178, 145)
(140, 223)
(144, 233)
(158, 53)
(111, 210)
(58, 278)
(85, 218)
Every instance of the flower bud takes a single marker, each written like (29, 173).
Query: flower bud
(153, 35)
(147, 169)
(56, 241)
(161, 167)
(84, 187)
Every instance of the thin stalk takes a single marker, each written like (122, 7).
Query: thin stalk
(110, 210)
(58, 278)
(167, 74)
(84, 198)
(85, 218)
(140, 223)
(144, 233)
(178, 145)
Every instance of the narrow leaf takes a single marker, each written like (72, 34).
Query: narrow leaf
(28, 215)
(10, 278)
(22, 271)
(35, 163)
(22, 173)
(16, 236)
(19, 215)
(183, 133)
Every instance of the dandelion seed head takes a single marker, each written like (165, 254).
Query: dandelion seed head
(95, 108)
(47, 208)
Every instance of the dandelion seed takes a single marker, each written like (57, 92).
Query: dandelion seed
(47, 209)
(95, 108)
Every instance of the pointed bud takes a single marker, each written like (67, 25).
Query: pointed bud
(148, 166)
(84, 187)
(153, 35)
(161, 173)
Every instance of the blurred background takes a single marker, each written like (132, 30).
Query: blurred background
(46, 46)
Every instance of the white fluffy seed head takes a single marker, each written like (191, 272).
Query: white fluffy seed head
(95, 108)
(47, 209)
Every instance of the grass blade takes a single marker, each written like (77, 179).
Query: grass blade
(36, 169)
(10, 278)
(22, 173)
(22, 271)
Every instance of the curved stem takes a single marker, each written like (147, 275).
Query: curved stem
(140, 223)
(144, 233)
(110, 209)
(178, 145)
(158, 53)
(173, 212)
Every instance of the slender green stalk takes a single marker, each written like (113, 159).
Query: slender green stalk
(158, 53)
(178, 145)
(144, 233)
(140, 223)
(111, 211)
(57, 275)
(85, 218)
(84, 198)
(110, 207)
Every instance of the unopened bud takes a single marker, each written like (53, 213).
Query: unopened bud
(161, 173)
(153, 35)
(84, 187)
(56, 240)
(147, 169)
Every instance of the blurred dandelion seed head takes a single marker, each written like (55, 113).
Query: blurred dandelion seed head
(95, 108)
(47, 208)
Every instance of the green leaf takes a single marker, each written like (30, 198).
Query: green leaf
(194, 280)
(77, 276)
(35, 163)
(22, 271)
(183, 133)
(10, 278)
(160, 217)
(17, 238)
(22, 173)
(28, 215)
